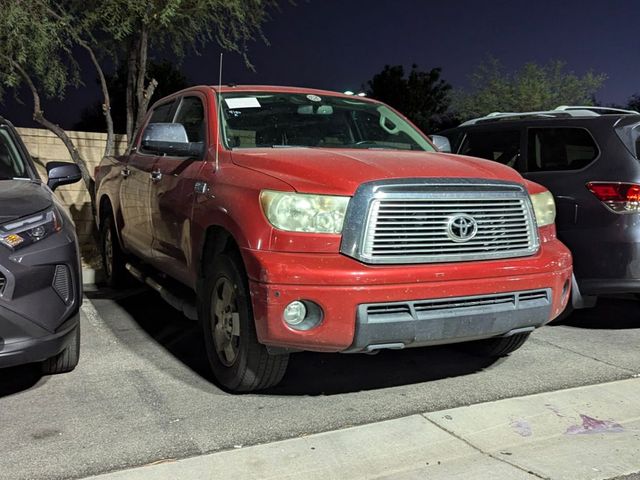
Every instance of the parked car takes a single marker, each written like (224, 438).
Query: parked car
(312, 220)
(40, 275)
(589, 158)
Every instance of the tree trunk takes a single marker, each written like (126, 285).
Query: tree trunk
(143, 93)
(140, 81)
(132, 63)
(110, 147)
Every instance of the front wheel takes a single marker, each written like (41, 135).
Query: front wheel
(238, 361)
(66, 360)
(496, 347)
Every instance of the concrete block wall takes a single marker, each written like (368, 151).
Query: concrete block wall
(45, 147)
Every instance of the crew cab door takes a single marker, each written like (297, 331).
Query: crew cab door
(174, 191)
(135, 193)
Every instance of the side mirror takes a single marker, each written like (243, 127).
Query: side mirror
(170, 139)
(62, 173)
(441, 143)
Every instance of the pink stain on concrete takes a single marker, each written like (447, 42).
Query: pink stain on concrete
(593, 425)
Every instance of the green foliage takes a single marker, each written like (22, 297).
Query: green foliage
(532, 88)
(634, 102)
(41, 45)
(176, 24)
(422, 96)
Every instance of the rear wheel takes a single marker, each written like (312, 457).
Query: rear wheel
(112, 255)
(496, 347)
(66, 360)
(239, 362)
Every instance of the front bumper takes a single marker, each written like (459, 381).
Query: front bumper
(40, 299)
(342, 287)
(40, 348)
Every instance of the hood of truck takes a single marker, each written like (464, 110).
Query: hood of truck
(19, 198)
(341, 171)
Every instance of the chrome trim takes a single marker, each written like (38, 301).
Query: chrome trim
(423, 233)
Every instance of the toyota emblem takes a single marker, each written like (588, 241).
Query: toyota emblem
(462, 228)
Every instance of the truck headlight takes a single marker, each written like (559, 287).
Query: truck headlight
(301, 212)
(544, 208)
(28, 230)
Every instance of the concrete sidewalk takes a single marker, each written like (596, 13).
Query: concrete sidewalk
(588, 432)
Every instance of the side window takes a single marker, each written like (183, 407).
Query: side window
(552, 149)
(191, 115)
(161, 113)
(501, 146)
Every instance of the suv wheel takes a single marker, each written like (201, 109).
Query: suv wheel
(496, 347)
(66, 360)
(112, 256)
(238, 361)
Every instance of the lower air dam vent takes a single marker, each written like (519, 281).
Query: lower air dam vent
(62, 283)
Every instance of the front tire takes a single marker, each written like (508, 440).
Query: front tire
(66, 360)
(496, 347)
(238, 361)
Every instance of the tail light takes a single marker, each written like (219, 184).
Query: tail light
(620, 197)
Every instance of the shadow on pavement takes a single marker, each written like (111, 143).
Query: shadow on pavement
(17, 379)
(333, 373)
(309, 373)
(610, 313)
(169, 328)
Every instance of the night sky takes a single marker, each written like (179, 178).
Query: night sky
(340, 44)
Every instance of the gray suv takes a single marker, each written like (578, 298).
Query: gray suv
(40, 275)
(588, 157)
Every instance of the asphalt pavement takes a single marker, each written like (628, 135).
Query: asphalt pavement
(143, 393)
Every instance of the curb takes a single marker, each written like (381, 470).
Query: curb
(590, 432)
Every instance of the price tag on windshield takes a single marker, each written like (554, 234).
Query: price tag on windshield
(242, 102)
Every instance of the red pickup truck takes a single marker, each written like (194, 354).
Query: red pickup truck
(288, 219)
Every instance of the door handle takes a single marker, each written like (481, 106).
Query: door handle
(125, 172)
(156, 176)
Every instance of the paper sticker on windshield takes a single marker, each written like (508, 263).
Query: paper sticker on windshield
(314, 98)
(242, 102)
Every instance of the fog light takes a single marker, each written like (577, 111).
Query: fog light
(295, 313)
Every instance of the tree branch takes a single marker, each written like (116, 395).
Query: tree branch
(109, 149)
(38, 116)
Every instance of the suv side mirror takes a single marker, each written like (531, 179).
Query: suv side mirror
(62, 173)
(170, 139)
(441, 143)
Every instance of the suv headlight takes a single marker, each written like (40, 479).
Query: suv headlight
(28, 230)
(544, 208)
(301, 212)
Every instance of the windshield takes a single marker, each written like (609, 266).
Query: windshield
(11, 163)
(298, 120)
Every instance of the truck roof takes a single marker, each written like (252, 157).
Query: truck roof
(277, 88)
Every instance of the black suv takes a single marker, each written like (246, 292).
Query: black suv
(40, 275)
(588, 157)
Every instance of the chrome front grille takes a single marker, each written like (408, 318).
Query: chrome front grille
(3, 282)
(447, 222)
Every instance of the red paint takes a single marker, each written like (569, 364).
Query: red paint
(301, 265)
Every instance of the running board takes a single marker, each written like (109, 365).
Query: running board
(182, 305)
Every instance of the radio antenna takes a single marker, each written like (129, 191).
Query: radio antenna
(219, 103)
